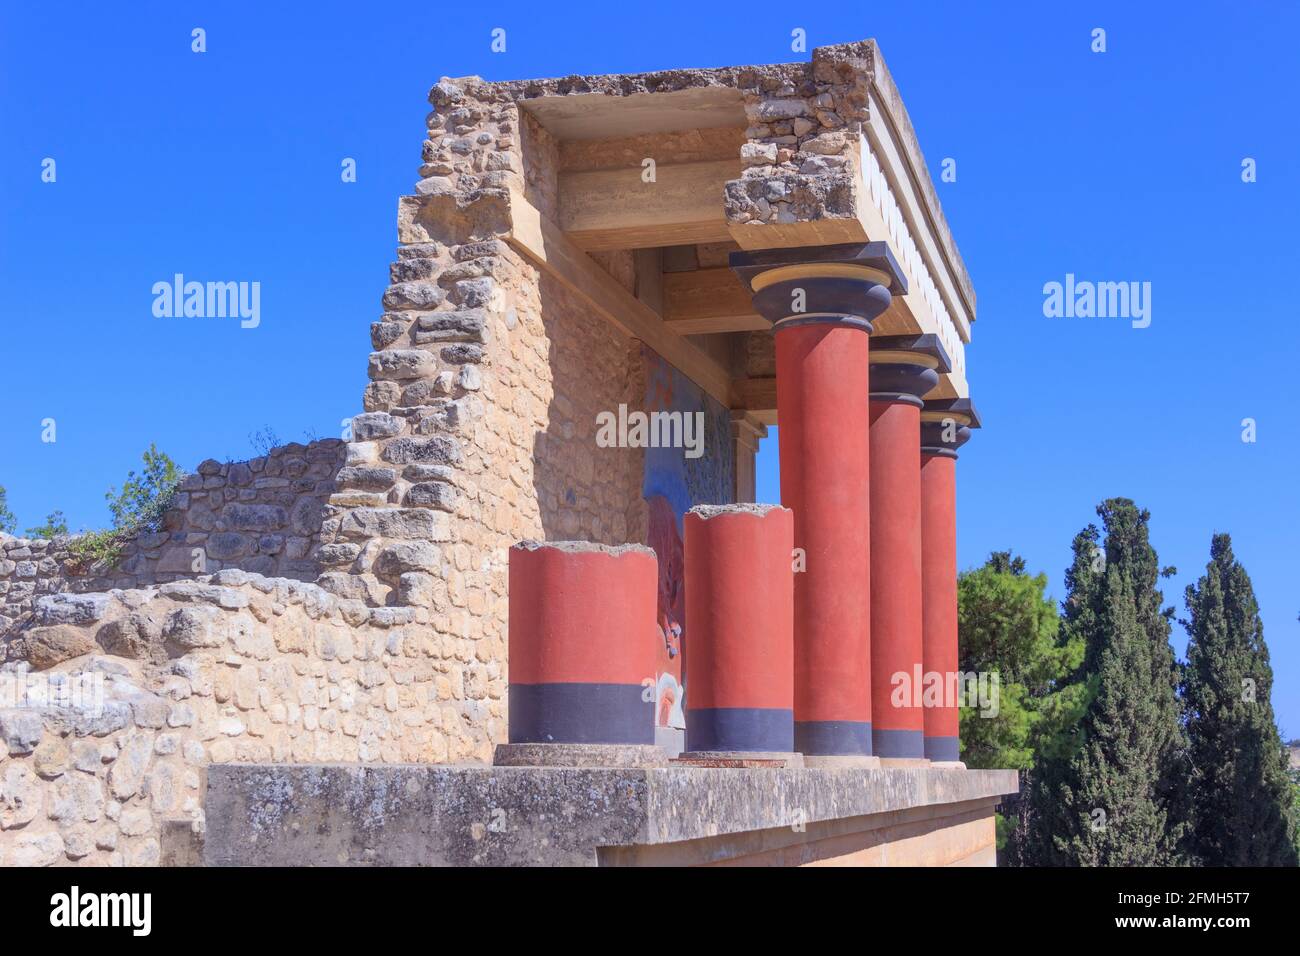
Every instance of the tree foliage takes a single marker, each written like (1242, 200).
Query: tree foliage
(1114, 790)
(7, 520)
(1009, 626)
(1244, 813)
(140, 504)
(55, 523)
(137, 509)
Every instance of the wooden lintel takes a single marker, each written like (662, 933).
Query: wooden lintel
(709, 300)
(813, 232)
(617, 209)
(757, 396)
(542, 241)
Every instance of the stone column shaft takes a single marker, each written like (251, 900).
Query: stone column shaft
(740, 605)
(904, 368)
(822, 301)
(939, 589)
(944, 427)
(821, 388)
(582, 642)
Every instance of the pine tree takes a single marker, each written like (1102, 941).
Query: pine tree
(1244, 810)
(1115, 790)
(1009, 626)
(1041, 810)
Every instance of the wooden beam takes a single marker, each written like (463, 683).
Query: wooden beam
(757, 396)
(813, 232)
(709, 300)
(615, 209)
(536, 237)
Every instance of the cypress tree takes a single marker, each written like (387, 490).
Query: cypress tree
(1042, 813)
(1244, 810)
(1114, 792)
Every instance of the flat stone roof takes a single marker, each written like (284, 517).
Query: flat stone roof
(571, 108)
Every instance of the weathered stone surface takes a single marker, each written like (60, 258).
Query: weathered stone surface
(372, 425)
(229, 598)
(384, 334)
(469, 325)
(305, 519)
(127, 773)
(21, 729)
(136, 637)
(43, 849)
(242, 517)
(551, 816)
(225, 545)
(136, 821)
(395, 523)
(77, 798)
(193, 627)
(77, 842)
(401, 364)
(20, 796)
(71, 608)
(52, 759)
(367, 478)
(459, 354)
(404, 556)
(413, 295)
(432, 494)
(338, 554)
(439, 450)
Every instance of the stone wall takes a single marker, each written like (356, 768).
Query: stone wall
(477, 430)
(262, 515)
(227, 667)
(800, 158)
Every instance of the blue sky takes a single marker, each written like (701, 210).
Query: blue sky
(1120, 166)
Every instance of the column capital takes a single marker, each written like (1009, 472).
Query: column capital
(904, 368)
(845, 284)
(946, 425)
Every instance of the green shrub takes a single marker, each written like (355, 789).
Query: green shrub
(55, 523)
(7, 520)
(137, 509)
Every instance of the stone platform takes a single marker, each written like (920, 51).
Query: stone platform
(429, 815)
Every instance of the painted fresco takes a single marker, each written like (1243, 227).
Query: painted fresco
(673, 484)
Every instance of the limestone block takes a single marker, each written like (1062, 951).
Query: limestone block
(401, 364)
(21, 730)
(71, 608)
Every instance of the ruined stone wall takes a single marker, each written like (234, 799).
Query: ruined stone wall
(478, 430)
(480, 417)
(262, 515)
(801, 161)
(229, 667)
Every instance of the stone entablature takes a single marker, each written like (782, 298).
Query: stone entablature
(804, 153)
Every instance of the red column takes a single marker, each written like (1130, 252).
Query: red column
(897, 723)
(945, 426)
(822, 301)
(582, 643)
(740, 605)
(939, 589)
(904, 369)
(821, 396)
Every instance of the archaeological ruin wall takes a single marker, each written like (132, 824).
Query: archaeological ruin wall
(346, 600)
